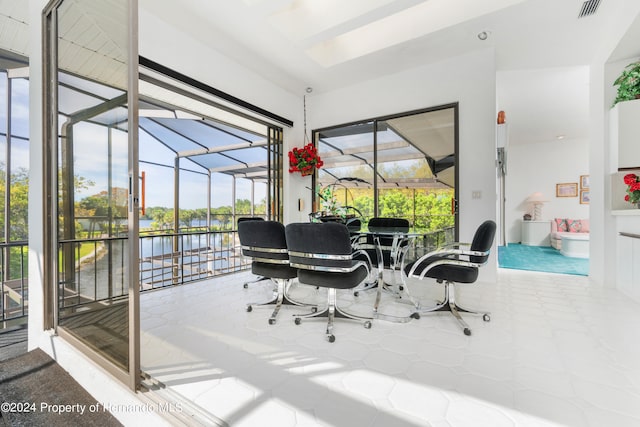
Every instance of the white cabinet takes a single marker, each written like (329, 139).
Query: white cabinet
(536, 233)
(628, 268)
(625, 131)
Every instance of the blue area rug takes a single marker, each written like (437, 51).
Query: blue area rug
(540, 258)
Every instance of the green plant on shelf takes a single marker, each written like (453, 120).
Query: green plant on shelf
(628, 83)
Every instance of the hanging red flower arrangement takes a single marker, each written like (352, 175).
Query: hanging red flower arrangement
(304, 160)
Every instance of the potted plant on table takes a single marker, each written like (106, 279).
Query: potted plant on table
(628, 83)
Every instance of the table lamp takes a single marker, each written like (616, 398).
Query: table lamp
(537, 199)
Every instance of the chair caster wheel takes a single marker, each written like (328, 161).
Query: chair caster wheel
(467, 331)
(272, 321)
(249, 308)
(246, 286)
(401, 288)
(355, 294)
(367, 324)
(331, 338)
(486, 317)
(297, 321)
(415, 315)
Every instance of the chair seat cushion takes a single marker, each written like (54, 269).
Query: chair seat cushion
(275, 271)
(450, 273)
(332, 280)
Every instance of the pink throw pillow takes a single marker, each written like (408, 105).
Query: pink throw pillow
(584, 225)
(574, 225)
(561, 224)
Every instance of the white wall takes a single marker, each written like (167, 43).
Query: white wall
(441, 83)
(539, 167)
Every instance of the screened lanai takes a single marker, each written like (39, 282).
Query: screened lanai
(188, 136)
(202, 165)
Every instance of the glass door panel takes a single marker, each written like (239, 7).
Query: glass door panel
(345, 182)
(402, 166)
(416, 169)
(96, 194)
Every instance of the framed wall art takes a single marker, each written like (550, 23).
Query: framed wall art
(584, 197)
(569, 189)
(584, 182)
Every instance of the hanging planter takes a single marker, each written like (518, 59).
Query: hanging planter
(304, 160)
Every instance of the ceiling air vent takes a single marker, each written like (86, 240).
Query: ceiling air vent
(588, 8)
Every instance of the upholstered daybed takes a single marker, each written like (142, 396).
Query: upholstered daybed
(574, 230)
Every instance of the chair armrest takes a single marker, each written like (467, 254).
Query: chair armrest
(455, 245)
(265, 255)
(362, 252)
(445, 261)
(447, 256)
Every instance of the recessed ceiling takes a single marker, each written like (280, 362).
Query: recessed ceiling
(370, 26)
(329, 44)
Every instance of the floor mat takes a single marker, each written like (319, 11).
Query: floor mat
(540, 258)
(39, 382)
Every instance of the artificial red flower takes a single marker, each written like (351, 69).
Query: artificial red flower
(304, 159)
(630, 178)
(633, 188)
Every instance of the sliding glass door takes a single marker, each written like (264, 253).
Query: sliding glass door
(91, 179)
(401, 166)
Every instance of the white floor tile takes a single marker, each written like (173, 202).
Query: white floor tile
(559, 351)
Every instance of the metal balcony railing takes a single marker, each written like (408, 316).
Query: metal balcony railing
(96, 270)
(93, 271)
(13, 282)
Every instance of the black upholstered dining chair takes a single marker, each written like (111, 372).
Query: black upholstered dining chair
(323, 255)
(455, 263)
(264, 242)
(259, 278)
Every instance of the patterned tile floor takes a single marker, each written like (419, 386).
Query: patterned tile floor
(559, 351)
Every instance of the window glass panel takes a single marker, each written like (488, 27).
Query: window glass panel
(3, 102)
(345, 182)
(20, 108)
(413, 156)
(18, 215)
(93, 172)
(221, 200)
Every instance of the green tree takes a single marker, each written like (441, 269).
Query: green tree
(187, 216)
(19, 202)
(243, 206)
(103, 209)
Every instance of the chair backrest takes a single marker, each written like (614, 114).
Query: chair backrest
(250, 218)
(386, 224)
(483, 240)
(263, 240)
(399, 224)
(330, 240)
(354, 224)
